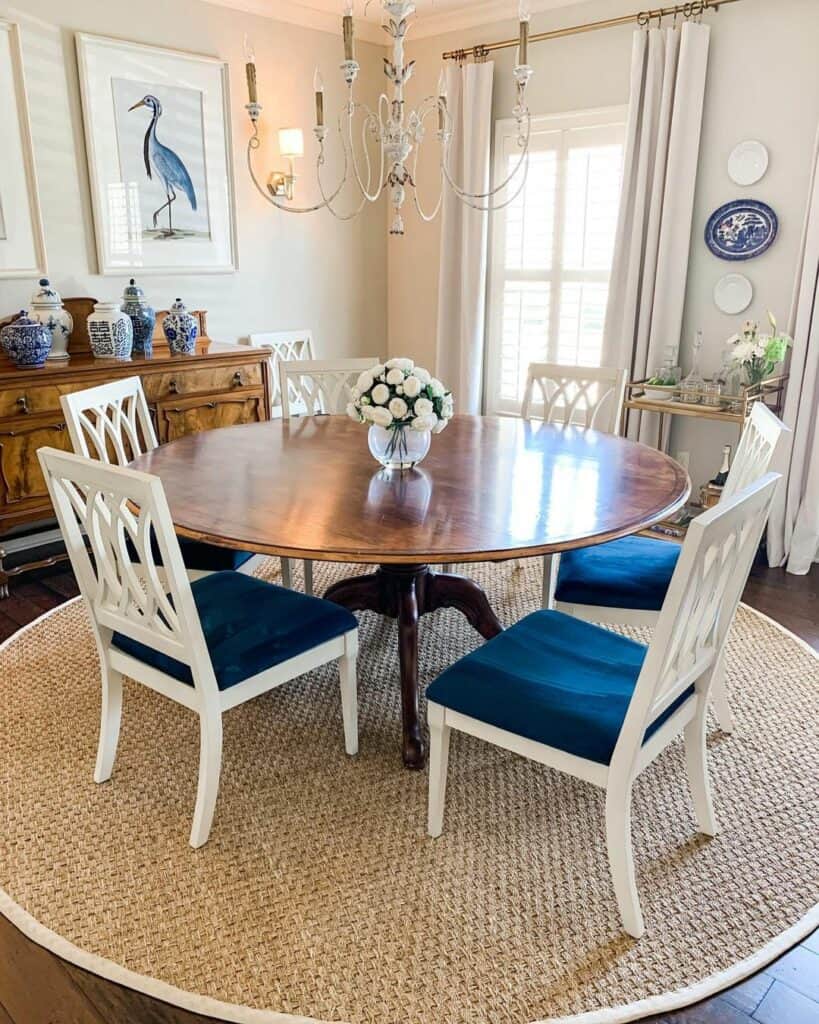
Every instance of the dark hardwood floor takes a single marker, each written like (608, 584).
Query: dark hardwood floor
(37, 987)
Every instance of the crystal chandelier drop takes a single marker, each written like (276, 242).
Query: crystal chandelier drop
(396, 132)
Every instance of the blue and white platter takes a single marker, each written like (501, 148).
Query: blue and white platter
(741, 229)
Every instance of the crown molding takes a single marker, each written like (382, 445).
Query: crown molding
(293, 13)
(476, 14)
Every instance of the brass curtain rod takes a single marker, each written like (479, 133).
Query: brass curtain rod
(688, 10)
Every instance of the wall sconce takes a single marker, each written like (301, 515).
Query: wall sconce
(291, 145)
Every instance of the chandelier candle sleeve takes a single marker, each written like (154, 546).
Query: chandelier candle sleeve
(349, 53)
(523, 46)
(318, 88)
(250, 71)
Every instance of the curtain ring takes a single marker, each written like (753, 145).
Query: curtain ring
(643, 19)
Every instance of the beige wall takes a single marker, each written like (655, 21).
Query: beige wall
(294, 271)
(763, 83)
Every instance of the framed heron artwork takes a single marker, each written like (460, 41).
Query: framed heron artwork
(22, 247)
(157, 137)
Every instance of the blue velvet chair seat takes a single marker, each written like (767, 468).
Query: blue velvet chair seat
(553, 679)
(249, 626)
(633, 572)
(196, 554)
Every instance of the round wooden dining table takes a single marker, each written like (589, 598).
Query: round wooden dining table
(491, 488)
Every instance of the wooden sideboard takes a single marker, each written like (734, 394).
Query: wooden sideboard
(217, 387)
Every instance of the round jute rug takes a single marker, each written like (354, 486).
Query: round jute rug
(319, 895)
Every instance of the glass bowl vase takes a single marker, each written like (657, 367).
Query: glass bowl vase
(398, 447)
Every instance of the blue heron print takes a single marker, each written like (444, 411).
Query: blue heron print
(167, 166)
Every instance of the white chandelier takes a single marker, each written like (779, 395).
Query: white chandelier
(397, 133)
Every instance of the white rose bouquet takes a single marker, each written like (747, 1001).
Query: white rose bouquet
(758, 354)
(398, 395)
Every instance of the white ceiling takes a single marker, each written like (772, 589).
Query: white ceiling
(433, 16)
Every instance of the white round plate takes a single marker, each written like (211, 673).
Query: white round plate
(733, 293)
(748, 162)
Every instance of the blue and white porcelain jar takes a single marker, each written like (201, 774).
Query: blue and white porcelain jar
(181, 330)
(142, 317)
(26, 341)
(110, 332)
(47, 307)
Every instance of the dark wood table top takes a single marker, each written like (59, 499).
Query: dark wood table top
(490, 488)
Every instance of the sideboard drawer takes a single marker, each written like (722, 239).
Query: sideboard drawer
(20, 477)
(178, 417)
(28, 399)
(205, 380)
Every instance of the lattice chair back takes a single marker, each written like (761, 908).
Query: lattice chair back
(703, 595)
(755, 450)
(285, 347)
(589, 397)
(111, 422)
(125, 517)
(322, 387)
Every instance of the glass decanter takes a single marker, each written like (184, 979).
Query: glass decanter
(692, 387)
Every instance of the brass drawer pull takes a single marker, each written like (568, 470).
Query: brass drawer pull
(173, 387)
(204, 405)
(238, 379)
(22, 401)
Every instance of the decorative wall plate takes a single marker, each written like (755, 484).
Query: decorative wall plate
(748, 162)
(733, 293)
(741, 229)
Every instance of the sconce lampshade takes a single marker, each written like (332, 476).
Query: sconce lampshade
(291, 142)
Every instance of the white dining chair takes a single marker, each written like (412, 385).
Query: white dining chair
(112, 423)
(209, 645)
(587, 397)
(624, 582)
(598, 706)
(318, 387)
(284, 346)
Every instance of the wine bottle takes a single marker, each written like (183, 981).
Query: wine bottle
(722, 476)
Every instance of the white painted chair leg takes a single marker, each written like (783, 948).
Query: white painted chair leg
(621, 860)
(349, 696)
(308, 577)
(109, 723)
(551, 565)
(210, 767)
(287, 576)
(719, 697)
(439, 733)
(696, 761)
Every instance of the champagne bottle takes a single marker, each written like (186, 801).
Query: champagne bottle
(722, 476)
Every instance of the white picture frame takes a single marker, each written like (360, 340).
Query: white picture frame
(22, 242)
(167, 111)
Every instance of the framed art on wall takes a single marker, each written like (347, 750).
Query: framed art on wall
(22, 249)
(157, 134)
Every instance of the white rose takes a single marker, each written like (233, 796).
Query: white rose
(423, 407)
(365, 381)
(440, 426)
(423, 375)
(447, 406)
(381, 394)
(367, 413)
(398, 407)
(438, 389)
(395, 376)
(412, 386)
(353, 413)
(377, 370)
(429, 422)
(381, 417)
(400, 364)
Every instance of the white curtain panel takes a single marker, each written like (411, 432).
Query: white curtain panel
(647, 290)
(462, 276)
(793, 529)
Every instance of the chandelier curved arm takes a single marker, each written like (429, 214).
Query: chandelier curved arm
(492, 207)
(253, 144)
(328, 200)
(429, 106)
(522, 160)
(374, 120)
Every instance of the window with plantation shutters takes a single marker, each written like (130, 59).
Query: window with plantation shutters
(552, 248)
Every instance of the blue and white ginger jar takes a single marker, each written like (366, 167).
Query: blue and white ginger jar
(47, 307)
(142, 317)
(181, 329)
(110, 332)
(26, 341)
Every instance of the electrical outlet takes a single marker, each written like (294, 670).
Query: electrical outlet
(684, 458)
